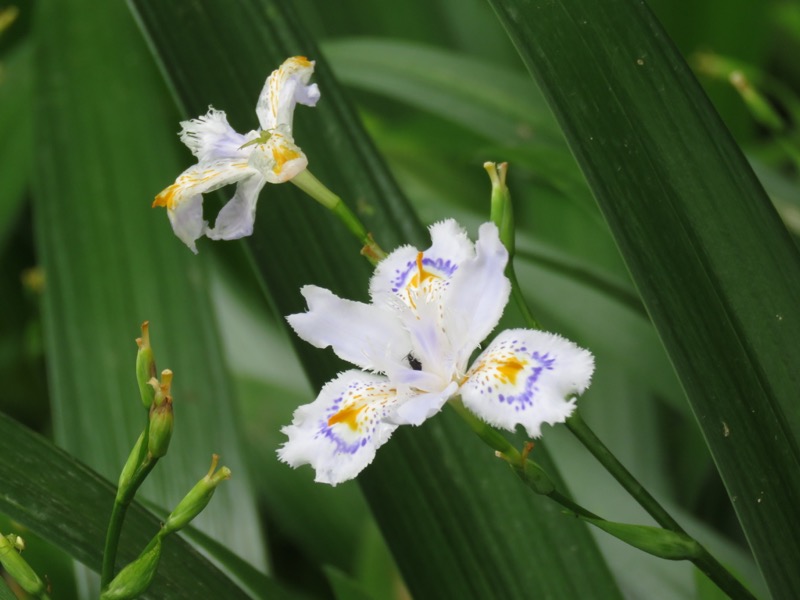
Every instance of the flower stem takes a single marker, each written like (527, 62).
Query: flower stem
(121, 504)
(317, 190)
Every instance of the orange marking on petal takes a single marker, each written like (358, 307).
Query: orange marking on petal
(510, 368)
(167, 197)
(348, 415)
(282, 156)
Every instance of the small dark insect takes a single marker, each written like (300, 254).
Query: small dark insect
(415, 364)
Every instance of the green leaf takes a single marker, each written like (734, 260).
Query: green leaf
(718, 272)
(344, 588)
(63, 501)
(449, 510)
(105, 145)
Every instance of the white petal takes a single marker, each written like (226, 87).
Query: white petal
(279, 159)
(419, 408)
(211, 138)
(236, 218)
(284, 88)
(183, 198)
(407, 273)
(525, 377)
(363, 334)
(477, 294)
(340, 431)
(187, 221)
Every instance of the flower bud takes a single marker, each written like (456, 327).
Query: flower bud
(535, 477)
(197, 498)
(161, 418)
(501, 213)
(136, 577)
(17, 567)
(663, 543)
(145, 366)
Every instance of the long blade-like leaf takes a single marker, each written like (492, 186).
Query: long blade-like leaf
(717, 270)
(104, 144)
(458, 523)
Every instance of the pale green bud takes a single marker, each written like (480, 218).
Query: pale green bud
(535, 477)
(161, 418)
(129, 470)
(136, 577)
(653, 540)
(501, 213)
(197, 499)
(145, 366)
(17, 567)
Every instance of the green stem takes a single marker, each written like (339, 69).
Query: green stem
(317, 190)
(516, 293)
(589, 439)
(709, 565)
(121, 504)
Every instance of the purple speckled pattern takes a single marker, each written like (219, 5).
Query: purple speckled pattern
(367, 422)
(443, 268)
(524, 400)
(535, 364)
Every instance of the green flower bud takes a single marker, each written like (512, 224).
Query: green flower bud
(17, 567)
(145, 366)
(136, 577)
(653, 540)
(535, 477)
(501, 213)
(197, 499)
(161, 418)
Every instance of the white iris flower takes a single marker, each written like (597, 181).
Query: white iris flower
(430, 310)
(224, 156)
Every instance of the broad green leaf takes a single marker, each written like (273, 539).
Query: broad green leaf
(492, 100)
(63, 501)
(5, 592)
(718, 272)
(448, 509)
(104, 144)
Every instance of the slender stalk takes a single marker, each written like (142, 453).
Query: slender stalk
(709, 565)
(317, 190)
(604, 456)
(516, 293)
(121, 504)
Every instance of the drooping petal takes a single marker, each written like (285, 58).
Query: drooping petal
(477, 294)
(407, 274)
(285, 87)
(363, 334)
(279, 159)
(211, 138)
(183, 199)
(340, 431)
(235, 220)
(526, 377)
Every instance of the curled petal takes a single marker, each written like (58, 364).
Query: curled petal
(407, 274)
(362, 334)
(211, 138)
(237, 217)
(285, 87)
(183, 199)
(279, 159)
(525, 377)
(340, 431)
(477, 294)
